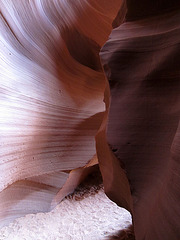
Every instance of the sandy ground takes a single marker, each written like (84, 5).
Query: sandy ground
(87, 214)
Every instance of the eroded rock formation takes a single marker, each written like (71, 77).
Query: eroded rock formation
(141, 167)
(51, 98)
(54, 100)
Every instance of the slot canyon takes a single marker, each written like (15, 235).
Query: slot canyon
(91, 86)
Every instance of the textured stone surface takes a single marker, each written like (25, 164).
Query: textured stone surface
(51, 98)
(141, 61)
(51, 106)
(87, 214)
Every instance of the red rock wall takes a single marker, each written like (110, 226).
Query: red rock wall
(141, 61)
(51, 98)
(54, 100)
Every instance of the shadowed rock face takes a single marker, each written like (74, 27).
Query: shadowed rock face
(51, 107)
(147, 8)
(141, 61)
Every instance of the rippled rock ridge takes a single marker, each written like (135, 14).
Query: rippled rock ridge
(63, 108)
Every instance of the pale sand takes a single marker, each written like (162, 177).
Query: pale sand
(87, 214)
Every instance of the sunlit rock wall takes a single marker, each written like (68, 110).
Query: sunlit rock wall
(55, 101)
(51, 98)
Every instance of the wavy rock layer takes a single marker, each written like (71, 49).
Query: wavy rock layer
(141, 61)
(51, 98)
(51, 107)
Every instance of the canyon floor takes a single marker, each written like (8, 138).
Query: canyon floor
(87, 214)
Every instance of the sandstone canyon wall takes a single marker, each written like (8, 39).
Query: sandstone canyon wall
(141, 61)
(51, 98)
(55, 101)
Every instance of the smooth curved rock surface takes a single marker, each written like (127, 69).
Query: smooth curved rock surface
(141, 61)
(51, 106)
(51, 98)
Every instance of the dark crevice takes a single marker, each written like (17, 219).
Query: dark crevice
(82, 49)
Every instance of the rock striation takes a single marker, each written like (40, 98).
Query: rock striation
(59, 114)
(140, 166)
(51, 98)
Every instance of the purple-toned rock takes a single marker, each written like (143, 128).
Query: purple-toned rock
(141, 162)
(51, 98)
